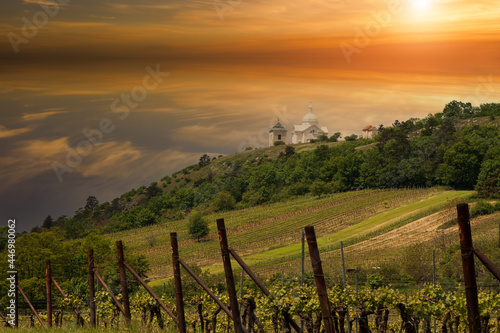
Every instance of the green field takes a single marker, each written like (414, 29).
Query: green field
(268, 235)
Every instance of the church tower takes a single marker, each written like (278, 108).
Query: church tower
(277, 133)
(309, 129)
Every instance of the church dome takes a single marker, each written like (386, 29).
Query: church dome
(310, 118)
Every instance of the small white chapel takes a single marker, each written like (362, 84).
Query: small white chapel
(307, 131)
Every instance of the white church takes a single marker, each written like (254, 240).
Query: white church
(307, 131)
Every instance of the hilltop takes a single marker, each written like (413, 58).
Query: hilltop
(389, 201)
(457, 148)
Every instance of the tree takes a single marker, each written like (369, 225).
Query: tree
(461, 165)
(322, 137)
(59, 222)
(77, 227)
(352, 137)
(197, 226)
(222, 202)
(48, 222)
(457, 109)
(204, 160)
(321, 153)
(91, 204)
(335, 137)
(153, 190)
(36, 229)
(318, 188)
(289, 151)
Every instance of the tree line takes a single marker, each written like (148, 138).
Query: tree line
(448, 149)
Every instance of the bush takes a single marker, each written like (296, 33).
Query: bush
(352, 137)
(319, 187)
(222, 202)
(298, 188)
(197, 226)
(278, 143)
(482, 208)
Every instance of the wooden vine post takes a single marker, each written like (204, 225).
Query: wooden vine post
(181, 321)
(123, 281)
(226, 259)
(48, 283)
(92, 306)
(319, 277)
(469, 270)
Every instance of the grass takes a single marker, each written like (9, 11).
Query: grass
(366, 227)
(266, 229)
(268, 235)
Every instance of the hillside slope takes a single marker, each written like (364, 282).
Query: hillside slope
(268, 237)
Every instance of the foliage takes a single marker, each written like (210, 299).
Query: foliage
(204, 160)
(222, 202)
(48, 222)
(445, 149)
(197, 225)
(136, 217)
(319, 187)
(483, 208)
(352, 137)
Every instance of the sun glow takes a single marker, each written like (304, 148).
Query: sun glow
(421, 4)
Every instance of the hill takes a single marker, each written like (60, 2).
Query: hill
(389, 200)
(268, 237)
(458, 148)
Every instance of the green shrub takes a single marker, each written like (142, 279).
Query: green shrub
(222, 202)
(482, 208)
(197, 226)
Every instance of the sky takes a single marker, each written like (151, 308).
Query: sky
(101, 96)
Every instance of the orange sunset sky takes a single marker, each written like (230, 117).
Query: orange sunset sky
(233, 68)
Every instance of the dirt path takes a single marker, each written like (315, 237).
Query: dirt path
(411, 233)
(419, 231)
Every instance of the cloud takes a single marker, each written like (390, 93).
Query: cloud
(43, 115)
(43, 3)
(5, 133)
(69, 25)
(29, 159)
(110, 158)
(125, 161)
